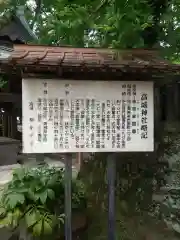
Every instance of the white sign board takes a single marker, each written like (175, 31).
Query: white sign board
(87, 116)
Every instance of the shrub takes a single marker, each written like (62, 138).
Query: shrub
(36, 198)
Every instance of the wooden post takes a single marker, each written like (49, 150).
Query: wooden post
(68, 194)
(111, 172)
(13, 123)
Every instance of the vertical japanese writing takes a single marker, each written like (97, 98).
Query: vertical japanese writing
(135, 116)
(67, 108)
(31, 124)
(79, 117)
(113, 123)
(87, 123)
(72, 122)
(56, 123)
(97, 124)
(61, 125)
(94, 140)
(108, 116)
(77, 122)
(43, 126)
(103, 122)
(128, 112)
(39, 120)
(50, 105)
(123, 117)
(144, 107)
(118, 124)
(82, 124)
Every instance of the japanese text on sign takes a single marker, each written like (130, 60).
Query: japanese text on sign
(87, 116)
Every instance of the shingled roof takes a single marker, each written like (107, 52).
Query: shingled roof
(15, 26)
(45, 59)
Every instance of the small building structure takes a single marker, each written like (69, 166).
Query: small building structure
(14, 29)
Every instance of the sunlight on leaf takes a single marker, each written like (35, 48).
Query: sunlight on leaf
(38, 227)
(32, 218)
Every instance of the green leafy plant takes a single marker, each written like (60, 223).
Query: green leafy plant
(36, 198)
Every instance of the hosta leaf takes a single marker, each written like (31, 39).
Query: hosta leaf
(31, 218)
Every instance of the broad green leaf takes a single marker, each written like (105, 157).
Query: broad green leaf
(51, 194)
(31, 218)
(4, 222)
(31, 195)
(7, 221)
(14, 199)
(38, 227)
(47, 228)
(53, 180)
(43, 196)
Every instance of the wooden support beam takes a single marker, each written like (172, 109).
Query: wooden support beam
(10, 98)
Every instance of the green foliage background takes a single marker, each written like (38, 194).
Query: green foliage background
(105, 23)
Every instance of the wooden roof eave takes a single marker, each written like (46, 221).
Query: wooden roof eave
(99, 63)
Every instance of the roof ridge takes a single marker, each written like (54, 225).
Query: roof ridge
(18, 16)
(46, 60)
(134, 51)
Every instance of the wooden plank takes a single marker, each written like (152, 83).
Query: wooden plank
(10, 97)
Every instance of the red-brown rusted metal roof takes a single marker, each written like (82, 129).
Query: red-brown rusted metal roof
(84, 59)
